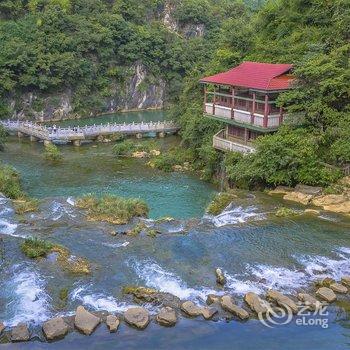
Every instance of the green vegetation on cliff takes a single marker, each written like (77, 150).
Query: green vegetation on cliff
(314, 36)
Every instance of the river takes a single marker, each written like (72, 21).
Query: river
(256, 250)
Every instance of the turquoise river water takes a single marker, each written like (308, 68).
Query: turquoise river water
(256, 250)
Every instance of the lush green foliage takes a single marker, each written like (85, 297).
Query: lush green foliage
(10, 182)
(52, 153)
(220, 202)
(127, 147)
(3, 135)
(176, 156)
(35, 248)
(113, 209)
(314, 36)
(89, 46)
(287, 157)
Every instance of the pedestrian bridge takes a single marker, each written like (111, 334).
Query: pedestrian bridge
(76, 135)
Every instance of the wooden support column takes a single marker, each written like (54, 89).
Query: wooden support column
(266, 113)
(233, 103)
(252, 116)
(281, 115)
(214, 100)
(245, 136)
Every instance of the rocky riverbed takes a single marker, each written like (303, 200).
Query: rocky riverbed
(231, 260)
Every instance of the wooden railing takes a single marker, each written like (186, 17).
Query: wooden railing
(221, 142)
(242, 116)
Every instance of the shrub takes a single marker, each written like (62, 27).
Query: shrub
(124, 148)
(285, 212)
(220, 202)
(175, 156)
(34, 247)
(127, 147)
(10, 183)
(26, 205)
(113, 209)
(52, 153)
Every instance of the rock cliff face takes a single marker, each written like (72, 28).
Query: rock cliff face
(138, 92)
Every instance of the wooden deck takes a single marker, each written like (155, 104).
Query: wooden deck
(89, 132)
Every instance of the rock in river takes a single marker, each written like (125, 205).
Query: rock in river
(112, 323)
(220, 278)
(309, 301)
(256, 303)
(326, 294)
(191, 309)
(338, 288)
(213, 299)
(55, 328)
(228, 305)
(298, 197)
(85, 321)
(282, 300)
(20, 333)
(2, 327)
(167, 317)
(137, 317)
(345, 280)
(209, 312)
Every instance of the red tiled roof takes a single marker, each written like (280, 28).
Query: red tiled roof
(254, 75)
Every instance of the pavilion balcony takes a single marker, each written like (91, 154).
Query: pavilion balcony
(241, 116)
(223, 142)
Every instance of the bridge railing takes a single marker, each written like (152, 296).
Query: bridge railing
(70, 133)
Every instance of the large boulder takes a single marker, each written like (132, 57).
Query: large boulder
(191, 309)
(345, 280)
(328, 199)
(149, 295)
(85, 321)
(213, 299)
(228, 305)
(309, 301)
(137, 317)
(220, 277)
(326, 294)
(338, 288)
(209, 312)
(282, 300)
(2, 327)
(279, 190)
(167, 317)
(55, 328)
(20, 333)
(311, 190)
(341, 208)
(298, 197)
(257, 305)
(112, 323)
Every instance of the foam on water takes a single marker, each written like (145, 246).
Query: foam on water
(236, 215)
(97, 300)
(241, 287)
(29, 301)
(176, 228)
(116, 245)
(71, 201)
(155, 276)
(280, 278)
(58, 210)
(321, 266)
(6, 226)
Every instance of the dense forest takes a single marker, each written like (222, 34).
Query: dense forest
(88, 49)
